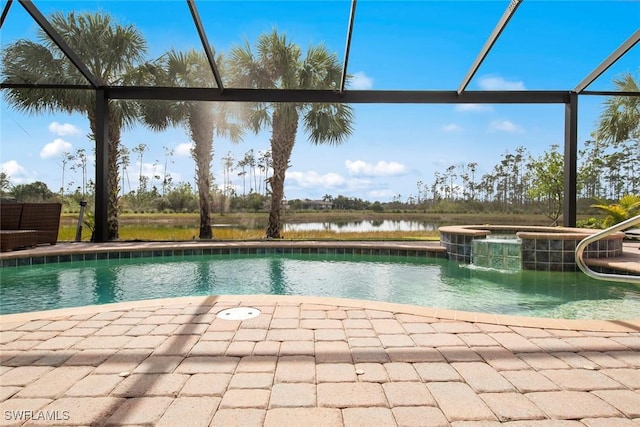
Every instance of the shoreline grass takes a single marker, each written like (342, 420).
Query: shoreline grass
(251, 226)
(68, 233)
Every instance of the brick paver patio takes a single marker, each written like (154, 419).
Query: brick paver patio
(313, 362)
(308, 361)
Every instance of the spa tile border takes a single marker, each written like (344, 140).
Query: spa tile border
(542, 248)
(112, 253)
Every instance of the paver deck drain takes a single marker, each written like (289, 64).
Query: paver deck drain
(239, 313)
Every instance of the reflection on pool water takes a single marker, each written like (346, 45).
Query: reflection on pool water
(426, 282)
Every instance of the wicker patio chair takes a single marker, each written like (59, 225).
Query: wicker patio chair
(11, 237)
(44, 218)
(10, 215)
(16, 239)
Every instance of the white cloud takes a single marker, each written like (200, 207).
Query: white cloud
(176, 177)
(381, 168)
(451, 127)
(12, 168)
(311, 184)
(66, 129)
(55, 148)
(151, 171)
(360, 81)
(505, 126)
(184, 149)
(498, 83)
(313, 179)
(358, 184)
(382, 194)
(16, 172)
(474, 108)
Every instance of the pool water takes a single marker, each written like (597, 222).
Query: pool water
(426, 282)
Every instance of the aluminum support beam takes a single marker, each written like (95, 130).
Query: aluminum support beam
(349, 96)
(353, 96)
(59, 41)
(5, 11)
(44, 86)
(609, 93)
(102, 166)
(352, 17)
(205, 44)
(570, 161)
(504, 20)
(609, 61)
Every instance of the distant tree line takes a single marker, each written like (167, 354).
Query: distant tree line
(520, 182)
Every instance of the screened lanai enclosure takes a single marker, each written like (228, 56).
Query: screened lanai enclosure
(376, 55)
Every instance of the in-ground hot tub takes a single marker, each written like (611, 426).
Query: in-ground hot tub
(542, 248)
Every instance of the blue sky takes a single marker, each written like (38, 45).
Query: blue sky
(410, 45)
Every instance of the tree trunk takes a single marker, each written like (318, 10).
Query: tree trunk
(201, 127)
(283, 137)
(113, 179)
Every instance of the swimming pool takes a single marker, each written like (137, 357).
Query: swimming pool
(427, 282)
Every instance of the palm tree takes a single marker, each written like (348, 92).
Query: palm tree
(264, 164)
(620, 119)
(627, 207)
(278, 64)
(5, 183)
(200, 118)
(109, 50)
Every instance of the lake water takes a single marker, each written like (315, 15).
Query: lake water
(362, 226)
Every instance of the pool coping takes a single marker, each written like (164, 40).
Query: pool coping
(526, 231)
(408, 247)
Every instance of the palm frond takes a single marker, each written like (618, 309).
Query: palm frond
(620, 118)
(259, 117)
(320, 69)
(329, 123)
(626, 208)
